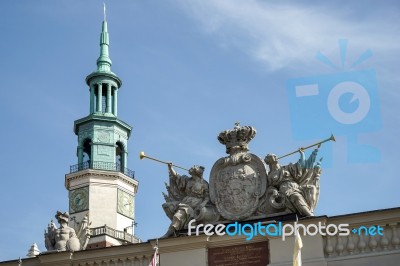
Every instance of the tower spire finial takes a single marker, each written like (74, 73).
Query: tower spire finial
(104, 61)
(104, 11)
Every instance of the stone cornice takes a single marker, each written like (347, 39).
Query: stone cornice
(94, 117)
(101, 174)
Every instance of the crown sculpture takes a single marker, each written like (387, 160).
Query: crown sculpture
(238, 138)
(242, 185)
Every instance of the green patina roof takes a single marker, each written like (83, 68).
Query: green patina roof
(104, 61)
(103, 71)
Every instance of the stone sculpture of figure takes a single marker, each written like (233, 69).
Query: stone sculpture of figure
(49, 236)
(188, 195)
(83, 231)
(63, 238)
(297, 184)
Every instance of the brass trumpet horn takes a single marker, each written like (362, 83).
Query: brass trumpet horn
(142, 156)
(331, 138)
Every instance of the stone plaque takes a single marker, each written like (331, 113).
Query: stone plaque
(252, 254)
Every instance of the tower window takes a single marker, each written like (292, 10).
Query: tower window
(103, 104)
(112, 98)
(119, 157)
(87, 151)
(96, 102)
(104, 98)
(96, 93)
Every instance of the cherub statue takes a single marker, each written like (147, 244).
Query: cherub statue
(294, 186)
(187, 195)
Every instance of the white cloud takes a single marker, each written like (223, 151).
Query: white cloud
(280, 34)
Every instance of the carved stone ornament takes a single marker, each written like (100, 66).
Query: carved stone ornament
(236, 184)
(243, 187)
(238, 181)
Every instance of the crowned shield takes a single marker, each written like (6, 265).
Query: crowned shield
(238, 181)
(235, 189)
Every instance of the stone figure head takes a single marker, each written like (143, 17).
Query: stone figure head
(196, 170)
(62, 217)
(271, 159)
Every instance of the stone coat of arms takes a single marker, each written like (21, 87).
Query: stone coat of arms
(237, 182)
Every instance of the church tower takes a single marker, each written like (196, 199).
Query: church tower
(100, 185)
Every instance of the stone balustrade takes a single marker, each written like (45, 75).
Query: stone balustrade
(363, 244)
(105, 230)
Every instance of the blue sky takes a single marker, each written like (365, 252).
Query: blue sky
(190, 69)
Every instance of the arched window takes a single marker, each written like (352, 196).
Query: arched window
(87, 153)
(119, 157)
(104, 98)
(100, 98)
(96, 96)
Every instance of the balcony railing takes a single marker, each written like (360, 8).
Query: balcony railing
(101, 166)
(121, 235)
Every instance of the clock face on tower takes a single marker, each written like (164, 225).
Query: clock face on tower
(125, 203)
(79, 200)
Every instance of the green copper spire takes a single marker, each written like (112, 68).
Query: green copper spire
(103, 84)
(104, 61)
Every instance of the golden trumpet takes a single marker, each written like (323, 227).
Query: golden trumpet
(142, 156)
(331, 138)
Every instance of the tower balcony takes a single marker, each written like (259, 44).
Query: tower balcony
(104, 231)
(97, 165)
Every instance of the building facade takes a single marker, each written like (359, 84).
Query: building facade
(203, 250)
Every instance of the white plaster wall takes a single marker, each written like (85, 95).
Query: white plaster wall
(77, 183)
(195, 257)
(123, 222)
(127, 187)
(104, 238)
(365, 260)
(103, 204)
(281, 252)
